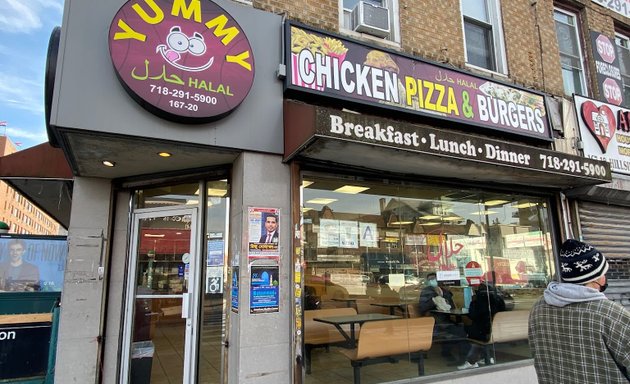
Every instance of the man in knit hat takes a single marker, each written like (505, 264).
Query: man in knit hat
(576, 334)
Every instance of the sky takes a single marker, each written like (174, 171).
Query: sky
(25, 28)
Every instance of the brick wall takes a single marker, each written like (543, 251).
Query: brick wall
(322, 14)
(619, 269)
(432, 29)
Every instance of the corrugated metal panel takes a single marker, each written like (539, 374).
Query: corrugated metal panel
(607, 227)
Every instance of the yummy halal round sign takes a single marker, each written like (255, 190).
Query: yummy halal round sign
(184, 60)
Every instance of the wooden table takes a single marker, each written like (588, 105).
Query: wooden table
(338, 321)
(457, 312)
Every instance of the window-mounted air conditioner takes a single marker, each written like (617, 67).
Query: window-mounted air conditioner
(371, 19)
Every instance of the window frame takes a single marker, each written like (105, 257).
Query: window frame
(394, 22)
(582, 58)
(620, 35)
(493, 9)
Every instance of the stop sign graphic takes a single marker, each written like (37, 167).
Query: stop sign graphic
(605, 49)
(612, 92)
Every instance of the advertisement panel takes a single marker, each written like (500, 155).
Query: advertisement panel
(605, 132)
(264, 293)
(607, 68)
(32, 264)
(264, 233)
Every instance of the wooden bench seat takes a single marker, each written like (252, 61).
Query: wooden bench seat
(317, 334)
(506, 327)
(383, 340)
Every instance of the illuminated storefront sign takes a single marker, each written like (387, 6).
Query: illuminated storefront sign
(184, 60)
(329, 66)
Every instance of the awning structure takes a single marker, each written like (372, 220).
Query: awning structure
(374, 143)
(42, 175)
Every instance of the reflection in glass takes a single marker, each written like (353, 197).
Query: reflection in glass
(157, 349)
(373, 251)
(212, 330)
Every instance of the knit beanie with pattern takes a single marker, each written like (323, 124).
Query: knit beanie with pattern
(581, 263)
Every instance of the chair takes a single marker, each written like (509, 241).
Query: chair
(381, 341)
(506, 327)
(317, 334)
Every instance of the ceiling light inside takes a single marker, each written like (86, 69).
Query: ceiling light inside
(306, 183)
(217, 192)
(525, 205)
(401, 222)
(351, 189)
(492, 203)
(108, 163)
(321, 200)
(164, 154)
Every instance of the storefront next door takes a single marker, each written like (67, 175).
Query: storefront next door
(162, 300)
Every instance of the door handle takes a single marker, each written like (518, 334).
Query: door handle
(185, 305)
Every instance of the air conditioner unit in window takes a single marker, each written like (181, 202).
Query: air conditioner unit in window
(371, 19)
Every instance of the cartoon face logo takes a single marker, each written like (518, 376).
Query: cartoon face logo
(178, 44)
(185, 61)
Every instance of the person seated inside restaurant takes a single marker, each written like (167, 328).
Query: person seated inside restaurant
(485, 303)
(386, 292)
(446, 332)
(432, 291)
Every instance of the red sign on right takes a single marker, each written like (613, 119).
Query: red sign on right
(605, 132)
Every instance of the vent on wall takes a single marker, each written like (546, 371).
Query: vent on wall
(371, 19)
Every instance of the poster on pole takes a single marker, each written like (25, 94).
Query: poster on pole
(264, 289)
(235, 289)
(263, 233)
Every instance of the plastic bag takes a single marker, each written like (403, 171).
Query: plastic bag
(441, 303)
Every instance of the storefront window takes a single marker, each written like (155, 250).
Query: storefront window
(211, 359)
(391, 248)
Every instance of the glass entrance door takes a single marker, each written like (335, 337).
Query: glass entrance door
(163, 299)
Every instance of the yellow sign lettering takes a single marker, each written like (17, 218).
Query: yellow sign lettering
(240, 60)
(193, 9)
(158, 14)
(128, 32)
(219, 23)
(410, 89)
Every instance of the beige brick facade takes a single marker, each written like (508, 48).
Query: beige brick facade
(18, 212)
(432, 29)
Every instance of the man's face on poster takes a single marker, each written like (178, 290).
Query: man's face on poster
(15, 252)
(271, 224)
